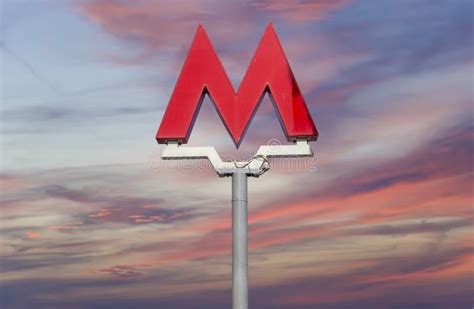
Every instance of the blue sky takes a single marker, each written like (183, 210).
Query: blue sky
(92, 218)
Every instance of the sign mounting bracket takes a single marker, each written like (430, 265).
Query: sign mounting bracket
(254, 167)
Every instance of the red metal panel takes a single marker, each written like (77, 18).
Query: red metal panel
(203, 73)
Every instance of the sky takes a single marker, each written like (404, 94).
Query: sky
(381, 217)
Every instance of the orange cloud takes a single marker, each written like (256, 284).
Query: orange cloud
(103, 212)
(32, 234)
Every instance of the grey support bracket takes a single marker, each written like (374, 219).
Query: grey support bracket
(254, 167)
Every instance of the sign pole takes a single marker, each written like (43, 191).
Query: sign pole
(239, 240)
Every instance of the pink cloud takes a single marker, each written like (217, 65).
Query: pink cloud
(161, 26)
(11, 183)
(291, 223)
(297, 10)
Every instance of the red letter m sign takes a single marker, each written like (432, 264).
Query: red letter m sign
(268, 72)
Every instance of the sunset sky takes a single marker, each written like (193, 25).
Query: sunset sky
(382, 217)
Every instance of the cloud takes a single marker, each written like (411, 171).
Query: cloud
(32, 234)
(145, 214)
(125, 271)
(366, 236)
(9, 182)
(120, 208)
(163, 25)
(395, 44)
(444, 156)
(298, 10)
(425, 226)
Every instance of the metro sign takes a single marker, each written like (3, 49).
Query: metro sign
(268, 72)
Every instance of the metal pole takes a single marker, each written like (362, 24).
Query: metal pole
(239, 240)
